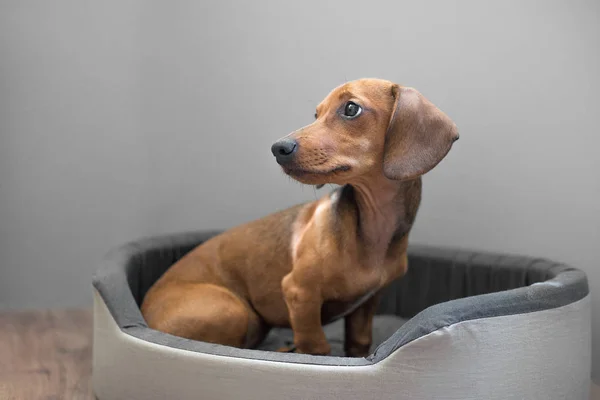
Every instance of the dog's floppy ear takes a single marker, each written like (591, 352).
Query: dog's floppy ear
(418, 137)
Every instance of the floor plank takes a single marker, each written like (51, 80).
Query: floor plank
(45, 355)
(595, 392)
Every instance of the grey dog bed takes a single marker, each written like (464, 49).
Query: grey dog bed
(459, 325)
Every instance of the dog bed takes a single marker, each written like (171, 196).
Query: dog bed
(460, 325)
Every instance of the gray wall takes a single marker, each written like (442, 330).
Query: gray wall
(124, 119)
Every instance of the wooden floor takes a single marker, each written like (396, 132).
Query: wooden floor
(595, 392)
(48, 355)
(45, 355)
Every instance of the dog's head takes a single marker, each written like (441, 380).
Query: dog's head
(365, 127)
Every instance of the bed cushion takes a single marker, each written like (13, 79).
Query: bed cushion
(384, 326)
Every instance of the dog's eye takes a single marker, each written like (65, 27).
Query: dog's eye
(352, 110)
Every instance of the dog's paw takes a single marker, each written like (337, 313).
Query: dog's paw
(287, 349)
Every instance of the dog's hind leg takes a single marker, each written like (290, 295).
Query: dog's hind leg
(204, 312)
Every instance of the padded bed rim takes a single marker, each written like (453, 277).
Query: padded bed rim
(566, 285)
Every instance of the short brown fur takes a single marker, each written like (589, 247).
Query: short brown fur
(302, 266)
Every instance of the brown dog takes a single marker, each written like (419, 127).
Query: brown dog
(303, 266)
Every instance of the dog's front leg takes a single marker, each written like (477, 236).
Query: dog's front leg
(358, 327)
(304, 305)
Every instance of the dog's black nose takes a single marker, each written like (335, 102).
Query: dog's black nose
(284, 150)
